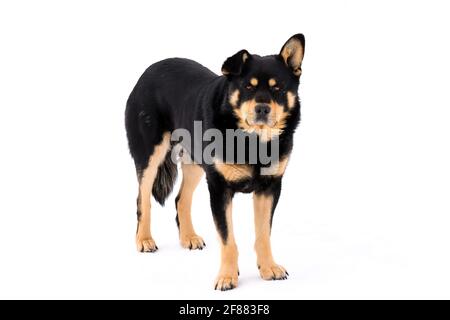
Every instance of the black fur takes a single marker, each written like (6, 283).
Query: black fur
(234, 64)
(173, 93)
(177, 220)
(165, 179)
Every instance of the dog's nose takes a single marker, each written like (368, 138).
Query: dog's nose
(262, 109)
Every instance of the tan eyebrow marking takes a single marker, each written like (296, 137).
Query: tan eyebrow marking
(272, 82)
(254, 82)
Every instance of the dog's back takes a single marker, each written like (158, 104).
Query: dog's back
(165, 98)
(169, 85)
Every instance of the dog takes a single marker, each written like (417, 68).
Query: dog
(256, 95)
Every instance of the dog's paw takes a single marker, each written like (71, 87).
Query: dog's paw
(146, 245)
(226, 282)
(273, 272)
(192, 242)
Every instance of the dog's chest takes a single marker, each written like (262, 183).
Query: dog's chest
(247, 178)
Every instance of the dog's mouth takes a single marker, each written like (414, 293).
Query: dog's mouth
(266, 124)
(265, 131)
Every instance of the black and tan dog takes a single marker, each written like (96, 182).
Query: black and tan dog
(255, 94)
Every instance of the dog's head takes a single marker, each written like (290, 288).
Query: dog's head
(263, 90)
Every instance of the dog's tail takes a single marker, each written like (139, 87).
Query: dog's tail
(165, 179)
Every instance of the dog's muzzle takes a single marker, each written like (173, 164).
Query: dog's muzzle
(262, 112)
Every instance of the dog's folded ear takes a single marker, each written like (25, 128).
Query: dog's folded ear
(234, 64)
(292, 53)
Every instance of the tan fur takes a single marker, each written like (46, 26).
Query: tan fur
(254, 82)
(291, 99)
(192, 175)
(278, 168)
(144, 240)
(280, 117)
(282, 166)
(277, 119)
(268, 269)
(244, 57)
(292, 54)
(233, 172)
(234, 98)
(228, 273)
(272, 82)
(243, 112)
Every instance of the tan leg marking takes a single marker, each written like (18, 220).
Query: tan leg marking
(144, 240)
(228, 274)
(268, 269)
(192, 175)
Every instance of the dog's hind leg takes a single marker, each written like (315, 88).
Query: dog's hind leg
(144, 240)
(192, 175)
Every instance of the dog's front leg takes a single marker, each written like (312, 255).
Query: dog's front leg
(264, 203)
(221, 199)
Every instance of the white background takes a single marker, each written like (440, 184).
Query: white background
(365, 207)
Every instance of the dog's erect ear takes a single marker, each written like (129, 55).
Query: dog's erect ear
(234, 64)
(292, 53)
